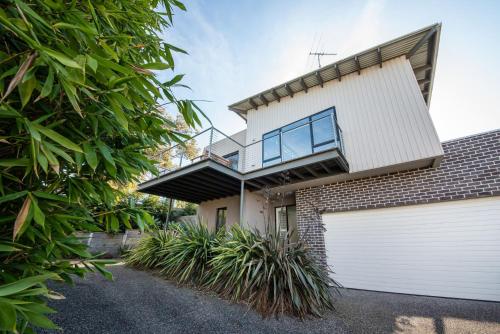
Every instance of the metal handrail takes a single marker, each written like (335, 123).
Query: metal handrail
(338, 137)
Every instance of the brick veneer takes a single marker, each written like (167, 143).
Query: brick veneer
(470, 169)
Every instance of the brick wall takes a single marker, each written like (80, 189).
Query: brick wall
(470, 169)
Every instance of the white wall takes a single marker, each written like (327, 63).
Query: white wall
(253, 217)
(207, 211)
(382, 113)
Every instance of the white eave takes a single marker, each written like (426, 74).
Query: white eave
(420, 47)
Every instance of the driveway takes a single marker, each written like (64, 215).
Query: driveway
(139, 302)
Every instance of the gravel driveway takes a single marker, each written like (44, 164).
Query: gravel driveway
(139, 302)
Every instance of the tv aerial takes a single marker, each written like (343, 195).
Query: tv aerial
(320, 54)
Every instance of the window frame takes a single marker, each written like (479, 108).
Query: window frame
(309, 120)
(233, 154)
(217, 218)
(276, 231)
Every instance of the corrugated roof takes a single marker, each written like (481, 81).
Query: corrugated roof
(420, 47)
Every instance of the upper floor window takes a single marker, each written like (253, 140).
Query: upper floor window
(309, 135)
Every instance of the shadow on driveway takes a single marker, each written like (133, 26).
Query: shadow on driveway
(139, 302)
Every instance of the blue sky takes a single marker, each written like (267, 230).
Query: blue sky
(239, 48)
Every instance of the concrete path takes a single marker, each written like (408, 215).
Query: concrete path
(139, 302)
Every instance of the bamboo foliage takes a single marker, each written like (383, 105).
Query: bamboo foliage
(78, 112)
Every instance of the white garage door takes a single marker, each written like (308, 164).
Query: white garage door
(449, 249)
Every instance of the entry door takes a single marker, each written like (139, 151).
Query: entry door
(448, 249)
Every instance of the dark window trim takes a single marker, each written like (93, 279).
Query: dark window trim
(217, 217)
(286, 211)
(279, 133)
(231, 154)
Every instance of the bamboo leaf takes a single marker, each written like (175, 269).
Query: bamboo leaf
(48, 85)
(90, 155)
(22, 162)
(26, 89)
(20, 220)
(20, 74)
(60, 57)
(92, 63)
(106, 153)
(13, 196)
(155, 66)
(58, 138)
(7, 317)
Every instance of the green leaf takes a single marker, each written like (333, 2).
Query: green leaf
(53, 197)
(25, 283)
(26, 89)
(7, 111)
(100, 268)
(58, 138)
(70, 91)
(7, 317)
(8, 248)
(118, 112)
(174, 48)
(13, 196)
(90, 155)
(174, 80)
(22, 162)
(38, 215)
(48, 85)
(26, 9)
(106, 153)
(32, 130)
(40, 320)
(92, 63)
(60, 57)
(59, 152)
(155, 66)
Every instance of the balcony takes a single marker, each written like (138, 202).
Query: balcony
(212, 165)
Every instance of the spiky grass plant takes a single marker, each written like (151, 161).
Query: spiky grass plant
(185, 260)
(146, 253)
(274, 277)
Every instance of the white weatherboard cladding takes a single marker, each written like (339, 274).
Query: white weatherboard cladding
(447, 249)
(382, 113)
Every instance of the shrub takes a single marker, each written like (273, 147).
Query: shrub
(186, 257)
(146, 253)
(272, 276)
(78, 113)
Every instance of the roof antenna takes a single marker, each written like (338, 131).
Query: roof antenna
(319, 54)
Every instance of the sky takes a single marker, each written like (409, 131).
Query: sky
(240, 48)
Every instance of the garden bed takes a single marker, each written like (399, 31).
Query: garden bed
(269, 274)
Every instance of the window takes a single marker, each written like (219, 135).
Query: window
(286, 224)
(296, 142)
(272, 148)
(233, 158)
(309, 135)
(221, 218)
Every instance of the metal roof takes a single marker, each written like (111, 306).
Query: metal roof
(420, 47)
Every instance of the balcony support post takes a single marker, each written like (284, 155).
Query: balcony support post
(210, 143)
(242, 202)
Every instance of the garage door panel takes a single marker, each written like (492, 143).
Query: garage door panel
(449, 249)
